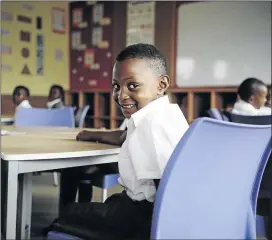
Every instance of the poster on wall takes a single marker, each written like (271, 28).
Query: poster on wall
(98, 12)
(58, 20)
(40, 55)
(77, 16)
(97, 36)
(140, 22)
(6, 16)
(4, 49)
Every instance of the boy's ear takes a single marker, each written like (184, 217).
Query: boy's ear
(251, 99)
(164, 83)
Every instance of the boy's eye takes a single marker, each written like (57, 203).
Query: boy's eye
(115, 87)
(133, 85)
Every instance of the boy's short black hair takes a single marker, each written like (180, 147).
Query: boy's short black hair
(17, 89)
(60, 89)
(149, 52)
(249, 87)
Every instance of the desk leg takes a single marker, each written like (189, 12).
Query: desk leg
(25, 205)
(12, 199)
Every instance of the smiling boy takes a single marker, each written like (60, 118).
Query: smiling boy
(154, 128)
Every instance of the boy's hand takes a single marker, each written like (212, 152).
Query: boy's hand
(84, 136)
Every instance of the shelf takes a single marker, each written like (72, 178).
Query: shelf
(194, 103)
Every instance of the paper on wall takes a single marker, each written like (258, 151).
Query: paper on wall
(40, 55)
(97, 34)
(98, 12)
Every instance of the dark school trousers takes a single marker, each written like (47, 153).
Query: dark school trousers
(120, 217)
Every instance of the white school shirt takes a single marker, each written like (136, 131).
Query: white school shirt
(23, 104)
(244, 108)
(152, 135)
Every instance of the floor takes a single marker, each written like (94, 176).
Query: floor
(45, 202)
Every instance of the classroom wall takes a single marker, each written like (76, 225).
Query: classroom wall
(55, 47)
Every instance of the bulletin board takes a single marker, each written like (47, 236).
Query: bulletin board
(91, 45)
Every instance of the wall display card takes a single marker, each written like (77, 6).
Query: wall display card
(105, 21)
(24, 19)
(98, 12)
(25, 36)
(90, 3)
(5, 49)
(26, 70)
(89, 58)
(76, 39)
(6, 16)
(92, 82)
(83, 25)
(5, 67)
(97, 36)
(4, 32)
(38, 23)
(77, 16)
(27, 7)
(58, 55)
(25, 52)
(140, 22)
(58, 20)
(40, 55)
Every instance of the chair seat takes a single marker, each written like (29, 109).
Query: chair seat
(104, 181)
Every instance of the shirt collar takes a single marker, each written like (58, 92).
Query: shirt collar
(242, 105)
(23, 103)
(154, 105)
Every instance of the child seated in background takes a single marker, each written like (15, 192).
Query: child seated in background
(154, 128)
(252, 95)
(56, 97)
(20, 97)
(267, 107)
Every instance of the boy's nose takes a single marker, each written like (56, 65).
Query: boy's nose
(123, 95)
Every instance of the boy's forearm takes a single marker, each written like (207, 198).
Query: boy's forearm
(112, 137)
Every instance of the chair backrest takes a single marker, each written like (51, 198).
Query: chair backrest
(81, 115)
(58, 117)
(254, 120)
(215, 114)
(207, 188)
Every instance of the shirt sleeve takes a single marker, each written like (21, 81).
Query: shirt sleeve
(152, 144)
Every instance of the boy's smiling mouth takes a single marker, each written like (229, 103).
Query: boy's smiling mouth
(127, 106)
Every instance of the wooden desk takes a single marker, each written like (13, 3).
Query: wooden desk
(40, 149)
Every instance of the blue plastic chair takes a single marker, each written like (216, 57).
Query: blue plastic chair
(215, 114)
(210, 185)
(80, 116)
(254, 120)
(56, 235)
(267, 179)
(58, 117)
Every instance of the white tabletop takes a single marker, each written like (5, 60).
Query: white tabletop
(35, 143)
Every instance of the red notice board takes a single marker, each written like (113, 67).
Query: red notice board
(91, 39)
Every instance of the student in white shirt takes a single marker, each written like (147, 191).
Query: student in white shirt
(252, 95)
(154, 128)
(20, 97)
(56, 97)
